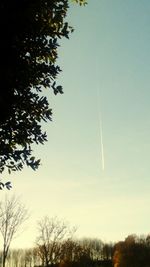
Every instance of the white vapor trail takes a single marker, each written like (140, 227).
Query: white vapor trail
(100, 129)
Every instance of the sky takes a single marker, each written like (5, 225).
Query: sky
(106, 81)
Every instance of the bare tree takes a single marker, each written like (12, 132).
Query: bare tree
(52, 232)
(12, 214)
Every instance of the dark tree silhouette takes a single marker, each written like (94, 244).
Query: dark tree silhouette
(51, 233)
(133, 252)
(30, 33)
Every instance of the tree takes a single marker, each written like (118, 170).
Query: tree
(94, 247)
(16, 258)
(30, 34)
(52, 232)
(133, 252)
(12, 215)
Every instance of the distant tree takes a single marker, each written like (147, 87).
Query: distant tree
(72, 254)
(36, 257)
(23, 258)
(107, 251)
(52, 232)
(28, 258)
(12, 215)
(15, 258)
(30, 34)
(131, 253)
(94, 247)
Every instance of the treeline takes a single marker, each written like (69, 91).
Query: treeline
(85, 252)
(56, 246)
(134, 251)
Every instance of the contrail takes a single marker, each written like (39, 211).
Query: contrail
(101, 133)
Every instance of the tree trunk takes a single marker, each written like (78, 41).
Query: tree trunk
(4, 260)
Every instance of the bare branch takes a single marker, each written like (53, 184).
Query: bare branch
(12, 215)
(52, 233)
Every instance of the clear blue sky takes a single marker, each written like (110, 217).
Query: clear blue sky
(106, 68)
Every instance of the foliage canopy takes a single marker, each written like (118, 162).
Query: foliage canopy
(30, 33)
